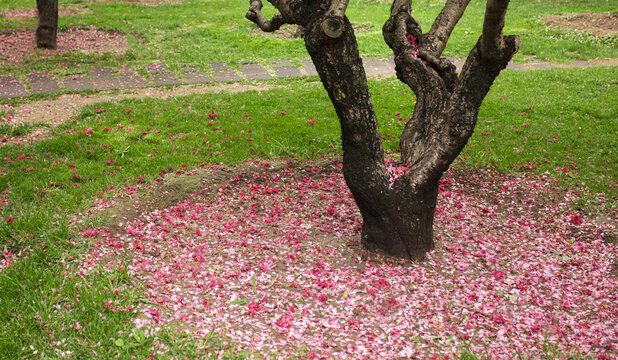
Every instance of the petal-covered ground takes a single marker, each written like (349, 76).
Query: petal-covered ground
(18, 44)
(270, 261)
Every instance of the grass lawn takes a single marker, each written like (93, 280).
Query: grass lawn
(560, 122)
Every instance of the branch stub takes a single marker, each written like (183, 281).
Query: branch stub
(333, 27)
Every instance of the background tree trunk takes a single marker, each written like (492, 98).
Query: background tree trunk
(47, 27)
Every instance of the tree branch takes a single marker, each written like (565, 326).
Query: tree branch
(337, 8)
(486, 60)
(401, 6)
(255, 14)
(333, 25)
(492, 41)
(444, 24)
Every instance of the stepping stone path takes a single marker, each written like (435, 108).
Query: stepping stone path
(106, 78)
(310, 68)
(377, 67)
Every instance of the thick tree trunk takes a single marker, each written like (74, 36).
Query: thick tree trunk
(396, 219)
(401, 223)
(47, 27)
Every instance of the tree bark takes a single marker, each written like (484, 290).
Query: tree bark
(47, 26)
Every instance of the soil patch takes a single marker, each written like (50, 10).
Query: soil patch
(53, 112)
(19, 44)
(596, 24)
(33, 13)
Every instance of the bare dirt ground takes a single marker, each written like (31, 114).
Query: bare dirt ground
(596, 24)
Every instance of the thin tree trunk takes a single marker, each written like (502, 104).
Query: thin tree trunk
(47, 27)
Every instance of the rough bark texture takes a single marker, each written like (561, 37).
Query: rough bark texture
(398, 213)
(47, 26)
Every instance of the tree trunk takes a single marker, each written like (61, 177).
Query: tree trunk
(398, 211)
(47, 27)
(397, 218)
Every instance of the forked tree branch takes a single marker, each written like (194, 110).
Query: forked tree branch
(444, 24)
(255, 14)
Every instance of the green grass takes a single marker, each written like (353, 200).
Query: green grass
(199, 32)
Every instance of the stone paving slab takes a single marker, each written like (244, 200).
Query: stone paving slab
(78, 83)
(580, 63)
(43, 83)
(309, 68)
(196, 77)
(218, 65)
(225, 75)
(162, 76)
(222, 72)
(103, 78)
(281, 62)
(165, 78)
(255, 72)
(156, 68)
(377, 67)
(391, 61)
(128, 79)
(10, 87)
(189, 68)
(285, 69)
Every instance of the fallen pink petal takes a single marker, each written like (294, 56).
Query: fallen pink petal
(252, 265)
